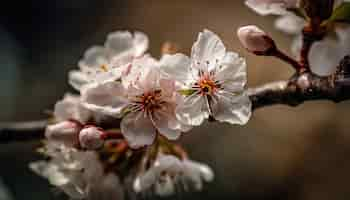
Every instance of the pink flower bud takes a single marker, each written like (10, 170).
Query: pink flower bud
(65, 132)
(254, 39)
(91, 137)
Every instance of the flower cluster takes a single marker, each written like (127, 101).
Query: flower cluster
(294, 15)
(116, 138)
(131, 105)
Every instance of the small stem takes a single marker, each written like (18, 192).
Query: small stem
(112, 135)
(284, 57)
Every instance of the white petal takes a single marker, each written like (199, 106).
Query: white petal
(120, 43)
(290, 24)
(325, 55)
(176, 67)
(107, 188)
(107, 98)
(267, 7)
(231, 108)
(94, 57)
(232, 72)
(207, 48)
(141, 43)
(49, 171)
(193, 110)
(70, 108)
(138, 129)
(77, 79)
(167, 124)
(165, 188)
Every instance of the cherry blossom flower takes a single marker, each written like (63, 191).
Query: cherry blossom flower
(168, 171)
(79, 174)
(146, 102)
(216, 80)
(109, 62)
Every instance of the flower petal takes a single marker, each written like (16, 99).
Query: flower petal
(70, 108)
(207, 50)
(193, 110)
(232, 73)
(138, 129)
(268, 7)
(141, 43)
(94, 57)
(77, 79)
(119, 42)
(176, 67)
(290, 24)
(167, 124)
(231, 108)
(106, 98)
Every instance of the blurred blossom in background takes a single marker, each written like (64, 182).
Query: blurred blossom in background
(283, 153)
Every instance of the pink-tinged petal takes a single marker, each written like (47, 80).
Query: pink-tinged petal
(166, 123)
(176, 67)
(232, 73)
(94, 57)
(138, 129)
(207, 50)
(141, 43)
(231, 108)
(193, 110)
(106, 98)
(143, 74)
(168, 89)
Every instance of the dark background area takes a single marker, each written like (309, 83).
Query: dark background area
(283, 153)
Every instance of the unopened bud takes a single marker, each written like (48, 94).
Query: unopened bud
(91, 137)
(255, 40)
(65, 132)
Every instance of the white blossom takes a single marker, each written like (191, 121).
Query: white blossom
(79, 174)
(146, 101)
(216, 80)
(168, 171)
(254, 39)
(109, 62)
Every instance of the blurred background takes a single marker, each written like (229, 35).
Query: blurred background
(284, 153)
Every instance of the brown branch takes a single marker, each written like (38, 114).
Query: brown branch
(22, 131)
(304, 87)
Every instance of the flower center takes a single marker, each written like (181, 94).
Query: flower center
(104, 67)
(206, 84)
(151, 100)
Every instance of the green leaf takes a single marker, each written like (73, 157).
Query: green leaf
(341, 13)
(186, 92)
